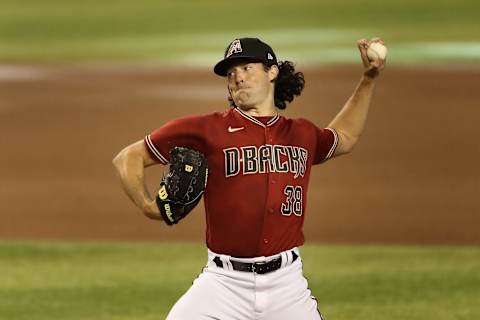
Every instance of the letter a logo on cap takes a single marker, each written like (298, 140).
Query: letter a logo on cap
(235, 47)
(269, 56)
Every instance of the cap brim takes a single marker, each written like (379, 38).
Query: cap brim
(221, 68)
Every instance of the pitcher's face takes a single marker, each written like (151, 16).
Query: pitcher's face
(249, 83)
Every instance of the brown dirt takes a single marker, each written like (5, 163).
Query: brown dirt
(413, 178)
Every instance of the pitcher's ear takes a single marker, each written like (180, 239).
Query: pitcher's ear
(273, 73)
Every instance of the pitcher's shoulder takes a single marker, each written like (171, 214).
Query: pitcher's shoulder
(219, 114)
(300, 122)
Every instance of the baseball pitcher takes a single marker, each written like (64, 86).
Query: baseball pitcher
(252, 165)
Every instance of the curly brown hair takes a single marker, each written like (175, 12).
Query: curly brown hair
(288, 84)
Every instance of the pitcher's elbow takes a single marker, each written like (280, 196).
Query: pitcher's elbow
(346, 144)
(118, 160)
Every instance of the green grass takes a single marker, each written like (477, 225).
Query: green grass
(142, 280)
(192, 31)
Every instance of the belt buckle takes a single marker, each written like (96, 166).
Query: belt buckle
(259, 264)
(254, 266)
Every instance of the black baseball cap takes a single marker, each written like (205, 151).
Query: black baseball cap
(246, 48)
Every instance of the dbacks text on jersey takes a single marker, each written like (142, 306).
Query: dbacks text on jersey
(266, 158)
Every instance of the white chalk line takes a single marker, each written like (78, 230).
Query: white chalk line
(17, 72)
(305, 45)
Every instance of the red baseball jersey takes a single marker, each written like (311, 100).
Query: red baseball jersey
(259, 168)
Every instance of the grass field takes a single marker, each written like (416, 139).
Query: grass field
(196, 32)
(141, 281)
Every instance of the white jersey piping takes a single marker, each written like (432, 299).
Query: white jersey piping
(249, 117)
(334, 145)
(154, 150)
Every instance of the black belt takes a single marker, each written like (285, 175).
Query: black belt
(257, 267)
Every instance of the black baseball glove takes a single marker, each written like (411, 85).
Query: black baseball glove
(182, 188)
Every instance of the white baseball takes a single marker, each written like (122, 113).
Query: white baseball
(376, 51)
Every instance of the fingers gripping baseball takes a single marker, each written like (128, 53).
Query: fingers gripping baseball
(373, 53)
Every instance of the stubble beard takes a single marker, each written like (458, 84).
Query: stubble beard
(242, 99)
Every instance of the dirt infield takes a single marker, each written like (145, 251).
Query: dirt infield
(413, 178)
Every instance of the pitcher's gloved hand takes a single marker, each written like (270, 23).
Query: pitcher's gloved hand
(182, 188)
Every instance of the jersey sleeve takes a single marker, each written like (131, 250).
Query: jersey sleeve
(186, 132)
(327, 141)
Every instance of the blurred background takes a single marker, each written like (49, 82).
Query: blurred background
(80, 80)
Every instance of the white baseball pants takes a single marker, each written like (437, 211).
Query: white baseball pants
(222, 293)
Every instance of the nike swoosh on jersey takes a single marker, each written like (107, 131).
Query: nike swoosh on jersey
(230, 129)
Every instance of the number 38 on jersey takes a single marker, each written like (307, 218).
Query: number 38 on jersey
(293, 201)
